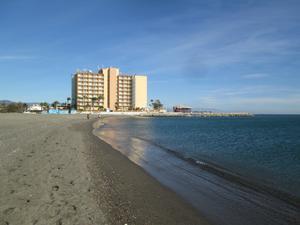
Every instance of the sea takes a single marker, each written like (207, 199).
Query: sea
(255, 156)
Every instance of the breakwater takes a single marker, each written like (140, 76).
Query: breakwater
(196, 114)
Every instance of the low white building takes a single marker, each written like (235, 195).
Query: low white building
(35, 108)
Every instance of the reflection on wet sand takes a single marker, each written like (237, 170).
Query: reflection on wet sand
(220, 200)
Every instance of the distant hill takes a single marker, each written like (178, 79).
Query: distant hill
(5, 102)
(9, 102)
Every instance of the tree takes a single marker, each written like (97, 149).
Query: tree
(98, 100)
(16, 107)
(25, 107)
(100, 97)
(156, 105)
(55, 104)
(44, 105)
(85, 103)
(69, 104)
(116, 106)
(87, 106)
(93, 101)
(2, 108)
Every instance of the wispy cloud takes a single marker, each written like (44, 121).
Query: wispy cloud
(260, 98)
(269, 100)
(245, 37)
(15, 57)
(255, 76)
(268, 104)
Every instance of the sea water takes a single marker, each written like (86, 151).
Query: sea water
(263, 148)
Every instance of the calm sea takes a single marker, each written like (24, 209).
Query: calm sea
(264, 148)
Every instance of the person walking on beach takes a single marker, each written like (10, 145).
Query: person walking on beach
(88, 116)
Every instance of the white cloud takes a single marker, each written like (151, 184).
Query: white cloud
(255, 75)
(15, 57)
(256, 99)
(245, 37)
(290, 100)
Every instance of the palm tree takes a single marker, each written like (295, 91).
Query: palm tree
(151, 101)
(93, 101)
(25, 106)
(156, 104)
(44, 105)
(88, 106)
(100, 97)
(55, 104)
(69, 104)
(85, 103)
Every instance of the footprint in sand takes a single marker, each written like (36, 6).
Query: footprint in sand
(11, 170)
(55, 188)
(8, 210)
(59, 222)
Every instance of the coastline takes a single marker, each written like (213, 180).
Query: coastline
(132, 196)
(55, 171)
(231, 176)
(220, 191)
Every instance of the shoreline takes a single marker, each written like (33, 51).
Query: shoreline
(132, 195)
(234, 177)
(55, 171)
(275, 204)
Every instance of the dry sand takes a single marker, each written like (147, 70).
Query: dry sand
(54, 171)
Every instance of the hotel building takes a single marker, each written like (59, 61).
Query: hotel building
(108, 89)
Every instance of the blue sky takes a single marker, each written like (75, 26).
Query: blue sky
(227, 55)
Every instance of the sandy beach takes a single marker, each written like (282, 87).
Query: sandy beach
(55, 171)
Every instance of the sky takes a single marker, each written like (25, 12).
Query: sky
(224, 55)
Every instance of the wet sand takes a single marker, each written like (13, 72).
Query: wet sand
(53, 170)
(225, 199)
